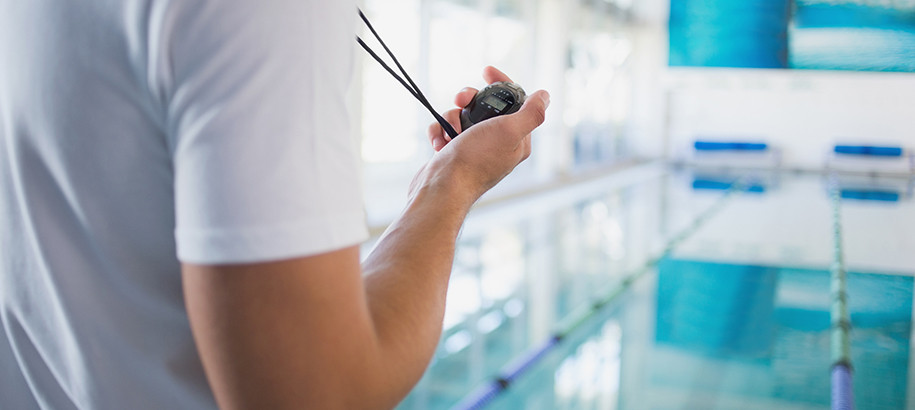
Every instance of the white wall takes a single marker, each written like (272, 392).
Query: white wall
(803, 113)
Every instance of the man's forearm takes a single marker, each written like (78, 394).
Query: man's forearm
(409, 269)
(408, 276)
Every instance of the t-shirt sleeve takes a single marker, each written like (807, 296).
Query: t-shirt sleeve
(266, 166)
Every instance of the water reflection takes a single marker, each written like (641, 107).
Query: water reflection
(763, 332)
(590, 378)
(728, 336)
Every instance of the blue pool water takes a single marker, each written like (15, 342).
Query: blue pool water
(735, 316)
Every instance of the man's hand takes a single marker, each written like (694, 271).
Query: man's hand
(489, 151)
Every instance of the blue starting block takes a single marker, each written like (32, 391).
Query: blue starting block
(729, 146)
(868, 150)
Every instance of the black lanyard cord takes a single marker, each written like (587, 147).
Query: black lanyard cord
(388, 68)
(411, 87)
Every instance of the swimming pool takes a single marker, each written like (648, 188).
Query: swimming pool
(729, 308)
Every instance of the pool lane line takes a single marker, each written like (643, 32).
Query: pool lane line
(841, 386)
(482, 395)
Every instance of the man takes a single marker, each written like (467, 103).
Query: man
(180, 211)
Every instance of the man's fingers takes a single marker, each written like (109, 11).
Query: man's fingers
(453, 117)
(436, 137)
(463, 98)
(492, 74)
(532, 113)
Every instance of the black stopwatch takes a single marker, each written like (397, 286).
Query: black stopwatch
(496, 99)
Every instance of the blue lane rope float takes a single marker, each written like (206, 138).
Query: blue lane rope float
(485, 393)
(842, 397)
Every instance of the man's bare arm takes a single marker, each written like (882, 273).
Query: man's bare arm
(311, 332)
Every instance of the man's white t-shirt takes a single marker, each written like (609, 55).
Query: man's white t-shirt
(135, 134)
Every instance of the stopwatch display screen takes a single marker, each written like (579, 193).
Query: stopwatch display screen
(496, 102)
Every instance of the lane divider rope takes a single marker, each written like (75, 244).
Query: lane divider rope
(842, 397)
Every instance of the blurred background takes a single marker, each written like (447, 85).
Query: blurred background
(672, 241)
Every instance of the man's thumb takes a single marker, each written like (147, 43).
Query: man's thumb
(533, 112)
